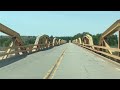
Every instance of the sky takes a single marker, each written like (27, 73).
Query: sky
(58, 23)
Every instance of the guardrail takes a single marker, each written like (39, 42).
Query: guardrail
(29, 49)
(102, 50)
(103, 47)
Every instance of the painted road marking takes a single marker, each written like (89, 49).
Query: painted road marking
(50, 74)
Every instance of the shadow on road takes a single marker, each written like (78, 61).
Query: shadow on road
(17, 58)
(11, 60)
(46, 49)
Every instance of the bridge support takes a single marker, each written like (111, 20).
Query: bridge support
(11, 47)
(111, 30)
(55, 42)
(42, 42)
(79, 41)
(119, 42)
(87, 39)
(16, 40)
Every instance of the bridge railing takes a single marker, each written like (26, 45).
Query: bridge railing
(17, 45)
(103, 47)
(102, 50)
(29, 49)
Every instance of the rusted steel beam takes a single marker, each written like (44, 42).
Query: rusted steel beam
(11, 33)
(16, 39)
(87, 39)
(103, 47)
(107, 54)
(119, 43)
(111, 30)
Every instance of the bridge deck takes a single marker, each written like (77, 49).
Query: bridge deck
(76, 63)
(79, 63)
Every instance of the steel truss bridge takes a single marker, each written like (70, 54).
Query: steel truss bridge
(53, 58)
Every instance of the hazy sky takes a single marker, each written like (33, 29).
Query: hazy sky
(58, 23)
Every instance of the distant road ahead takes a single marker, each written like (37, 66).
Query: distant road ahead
(76, 63)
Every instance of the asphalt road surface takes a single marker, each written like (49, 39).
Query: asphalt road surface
(76, 63)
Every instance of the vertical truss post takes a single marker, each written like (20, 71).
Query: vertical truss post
(119, 42)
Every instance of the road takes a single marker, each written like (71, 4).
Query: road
(76, 63)
(32, 66)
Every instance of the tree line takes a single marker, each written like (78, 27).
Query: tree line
(111, 40)
(6, 40)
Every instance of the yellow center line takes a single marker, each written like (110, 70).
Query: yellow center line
(50, 74)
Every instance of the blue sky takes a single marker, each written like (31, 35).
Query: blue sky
(58, 23)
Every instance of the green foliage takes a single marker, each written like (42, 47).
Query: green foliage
(5, 41)
(111, 40)
(80, 35)
(28, 39)
(96, 39)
